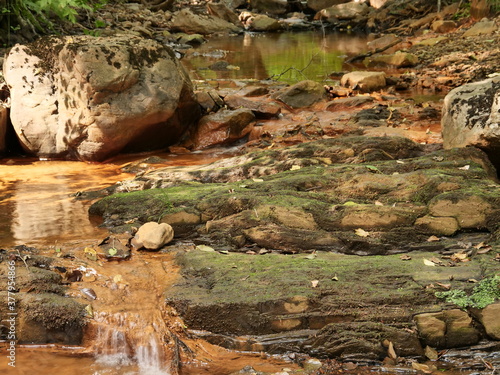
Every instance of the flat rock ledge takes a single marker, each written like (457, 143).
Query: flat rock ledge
(287, 227)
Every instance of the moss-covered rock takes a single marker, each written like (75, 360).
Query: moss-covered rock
(272, 298)
(315, 196)
(36, 295)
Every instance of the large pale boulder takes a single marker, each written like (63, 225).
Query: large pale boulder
(188, 22)
(364, 81)
(90, 98)
(471, 117)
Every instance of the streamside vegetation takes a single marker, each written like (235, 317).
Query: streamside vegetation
(29, 18)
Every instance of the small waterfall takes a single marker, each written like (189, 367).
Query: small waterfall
(131, 343)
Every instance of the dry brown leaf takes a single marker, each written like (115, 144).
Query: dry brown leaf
(391, 352)
(465, 167)
(445, 286)
(431, 353)
(436, 260)
(314, 283)
(361, 232)
(378, 203)
(484, 250)
(459, 257)
(429, 263)
(433, 239)
(422, 367)
(405, 257)
(472, 281)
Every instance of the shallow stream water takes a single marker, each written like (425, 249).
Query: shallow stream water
(287, 57)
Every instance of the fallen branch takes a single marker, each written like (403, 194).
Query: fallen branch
(293, 68)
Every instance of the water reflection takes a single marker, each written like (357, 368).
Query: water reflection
(37, 200)
(291, 57)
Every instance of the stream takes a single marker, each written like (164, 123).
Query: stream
(131, 324)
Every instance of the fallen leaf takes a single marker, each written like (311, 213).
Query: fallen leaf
(350, 203)
(88, 293)
(405, 257)
(361, 232)
(311, 256)
(205, 248)
(335, 278)
(459, 257)
(225, 252)
(465, 167)
(445, 286)
(90, 253)
(429, 263)
(377, 203)
(436, 261)
(485, 250)
(437, 158)
(400, 161)
(431, 353)
(295, 167)
(433, 239)
(472, 281)
(257, 180)
(372, 168)
(421, 367)
(112, 251)
(314, 283)
(89, 310)
(263, 251)
(391, 352)
(117, 278)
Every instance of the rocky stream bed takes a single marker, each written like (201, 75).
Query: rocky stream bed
(333, 235)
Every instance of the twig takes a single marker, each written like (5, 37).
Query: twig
(293, 68)
(378, 50)
(26, 264)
